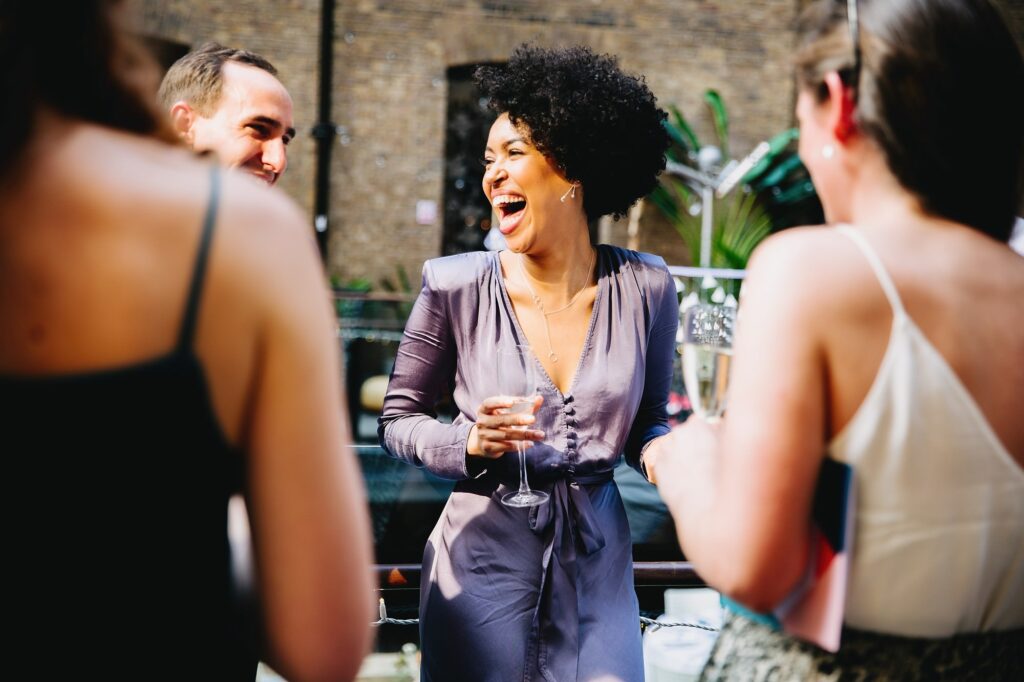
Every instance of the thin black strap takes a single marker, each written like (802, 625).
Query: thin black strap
(188, 325)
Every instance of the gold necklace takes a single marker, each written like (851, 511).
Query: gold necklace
(540, 305)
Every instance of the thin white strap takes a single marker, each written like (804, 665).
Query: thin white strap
(876, 264)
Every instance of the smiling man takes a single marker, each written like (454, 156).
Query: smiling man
(231, 103)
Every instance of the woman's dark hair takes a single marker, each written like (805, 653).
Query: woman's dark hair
(941, 91)
(76, 62)
(601, 127)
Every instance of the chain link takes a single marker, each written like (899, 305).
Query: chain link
(656, 624)
(646, 622)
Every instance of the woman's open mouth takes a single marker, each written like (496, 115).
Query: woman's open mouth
(510, 209)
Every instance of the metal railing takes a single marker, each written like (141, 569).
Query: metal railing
(667, 573)
(645, 573)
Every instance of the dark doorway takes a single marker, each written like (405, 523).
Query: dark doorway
(165, 51)
(467, 213)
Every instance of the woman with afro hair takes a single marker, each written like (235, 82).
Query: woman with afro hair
(546, 592)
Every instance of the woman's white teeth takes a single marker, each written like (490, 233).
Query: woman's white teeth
(509, 203)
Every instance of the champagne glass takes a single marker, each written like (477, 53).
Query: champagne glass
(707, 354)
(517, 378)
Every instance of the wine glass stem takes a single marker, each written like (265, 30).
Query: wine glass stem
(524, 487)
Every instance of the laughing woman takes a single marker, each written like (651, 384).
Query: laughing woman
(543, 593)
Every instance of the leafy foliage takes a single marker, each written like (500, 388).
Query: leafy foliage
(775, 193)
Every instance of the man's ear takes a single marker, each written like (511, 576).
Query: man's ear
(841, 108)
(183, 117)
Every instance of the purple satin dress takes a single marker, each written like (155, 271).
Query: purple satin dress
(516, 595)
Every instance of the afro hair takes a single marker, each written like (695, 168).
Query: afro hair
(600, 126)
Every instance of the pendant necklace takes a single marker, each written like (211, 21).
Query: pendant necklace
(540, 306)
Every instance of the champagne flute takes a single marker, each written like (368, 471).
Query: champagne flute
(517, 378)
(707, 354)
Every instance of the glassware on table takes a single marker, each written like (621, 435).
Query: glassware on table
(717, 286)
(707, 354)
(517, 374)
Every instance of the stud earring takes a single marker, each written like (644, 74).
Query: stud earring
(828, 151)
(571, 192)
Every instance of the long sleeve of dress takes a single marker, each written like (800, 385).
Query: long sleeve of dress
(652, 416)
(424, 371)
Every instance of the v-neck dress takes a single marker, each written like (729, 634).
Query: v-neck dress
(544, 593)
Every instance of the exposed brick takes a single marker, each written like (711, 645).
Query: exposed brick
(390, 91)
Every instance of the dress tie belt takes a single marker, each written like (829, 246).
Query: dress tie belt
(568, 523)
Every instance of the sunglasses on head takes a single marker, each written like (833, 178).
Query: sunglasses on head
(854, 24)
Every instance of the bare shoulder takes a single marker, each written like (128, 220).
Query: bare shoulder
(266, 246)
(266, 220)
(807, 265)
(809, 246)
(262, 244)
(243, 203)
(162, 175)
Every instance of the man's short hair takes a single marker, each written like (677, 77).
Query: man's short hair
(197, 77)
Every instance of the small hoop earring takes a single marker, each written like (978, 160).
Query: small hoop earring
(828, 151)
(571, 192)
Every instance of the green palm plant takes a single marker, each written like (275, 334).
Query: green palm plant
(773, 193)
(739, 225)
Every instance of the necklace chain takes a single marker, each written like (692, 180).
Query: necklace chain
(540, 305)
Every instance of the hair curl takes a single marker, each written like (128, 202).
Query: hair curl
(600, 126)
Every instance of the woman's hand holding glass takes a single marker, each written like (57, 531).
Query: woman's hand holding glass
(497, 428)
(503, 421)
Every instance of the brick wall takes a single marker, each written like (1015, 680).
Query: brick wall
(391, 94)
(390, 90)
